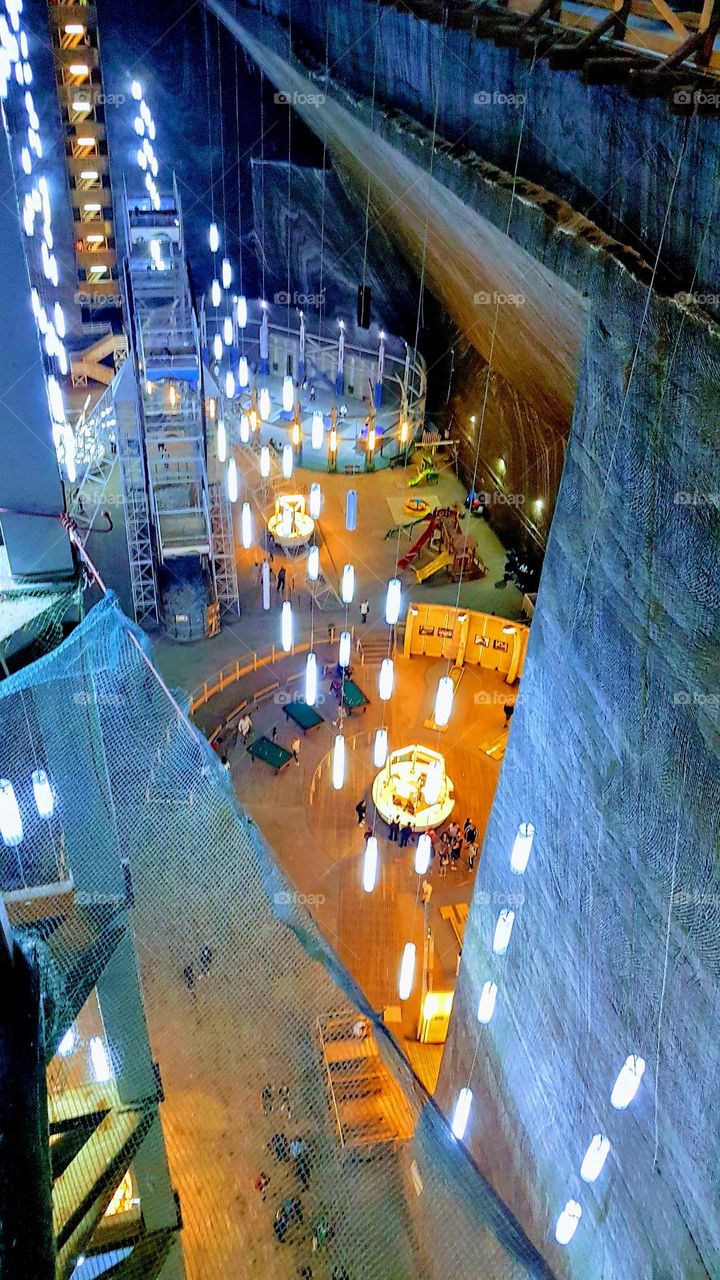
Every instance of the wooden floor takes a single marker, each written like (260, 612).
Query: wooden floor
(370, 1108)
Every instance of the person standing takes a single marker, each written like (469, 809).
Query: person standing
(394, 831)
(426, 892)
(508, 709)
(364, 611)
(470, 831)
(361, 810)
(280, 584)
(405, 835)
(472, 855)
(295, 748)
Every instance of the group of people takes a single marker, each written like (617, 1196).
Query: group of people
(446, 845)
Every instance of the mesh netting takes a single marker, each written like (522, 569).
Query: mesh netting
(270, 1063)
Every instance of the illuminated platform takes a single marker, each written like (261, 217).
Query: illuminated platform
(290, 525)
(414, 788)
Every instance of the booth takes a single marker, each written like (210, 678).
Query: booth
(290, 525)
(414, 788)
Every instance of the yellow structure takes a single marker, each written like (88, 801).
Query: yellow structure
(290, 525)
(435, 1016)
(466, 636)
(414, 788)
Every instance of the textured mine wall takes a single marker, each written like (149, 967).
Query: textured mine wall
(612, 157)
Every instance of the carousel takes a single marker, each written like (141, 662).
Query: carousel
(290, 525)
(414, 788)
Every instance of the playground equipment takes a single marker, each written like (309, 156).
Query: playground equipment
(427, 473)
(456, 551)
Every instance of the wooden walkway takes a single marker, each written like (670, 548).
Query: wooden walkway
(369, 1106)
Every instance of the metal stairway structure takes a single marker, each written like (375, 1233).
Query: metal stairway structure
(172, 509)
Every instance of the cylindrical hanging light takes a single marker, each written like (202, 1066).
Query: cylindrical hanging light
(404, 432)
(393, 601)
(265, 585)
(422, 854)
(232, 480)
(218, 346)
(347, 589)
(380, 748)
(443, 700)
(317, 431)
(344, 649)
(338, 762)
(68, 440)
(214, 237)
(242, 312)
(221, 441)
(229, 384)
(287, 461)
(313, 564)
(226, 273)
(433, 783)
(11, 827)
(311, 679)
(461, 1113)
(265, 462)
(351, 508)
(386, 679)
(286, 626)
(315, 502)
(243, 372)
(407, 971)
(370, 864)
(215, 293)
(244, 428)
(264, 403)
(227, 331)
(288, 393)
(246, 525)
(44, 798)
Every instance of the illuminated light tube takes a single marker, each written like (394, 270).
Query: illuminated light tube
(296, 435)
(594, 1158)
(99, 1061)
(243, 372)
(370, 864)
(229, 384)
(380, 748)
(422, 854)
(286, 626)
(347, 588)
(135, 87)
(486, 1005)
(232, 480)
(313, 564)
(344, 649)
(386, 679)
(59, 320)
(287, 461)
(242, 311)
(265, 576)
(332, 442)
(393, 600)
(288, 393)
(26, 160)
(315, 501)
(244, 429)
(264, 403)
(265, 462)
(215, 293)
(11, 827)
(62, 358)
(311, 679)
(404, 430)
(461, 1114)
(407, 971)
(433, 783)
(443, 700)
(226, 273)
(246, 532)
(221, 441)
(522, 847)
(43, 793)
(227, 331)
(68, 1042)
(503, 929)
(78, 69)
(371, 440)
(56, 401)
(214, 237)
(338, 762)
(567, 1223)
(351, 510)
(317, 430)
(628, 1082)
(68, 440)
(217, 347)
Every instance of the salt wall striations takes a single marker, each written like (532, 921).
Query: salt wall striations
(613, 754)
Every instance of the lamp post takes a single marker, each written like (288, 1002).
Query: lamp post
(332, 441)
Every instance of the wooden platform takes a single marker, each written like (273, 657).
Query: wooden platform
(370, 1107)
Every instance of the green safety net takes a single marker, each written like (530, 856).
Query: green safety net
(218, 1008)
